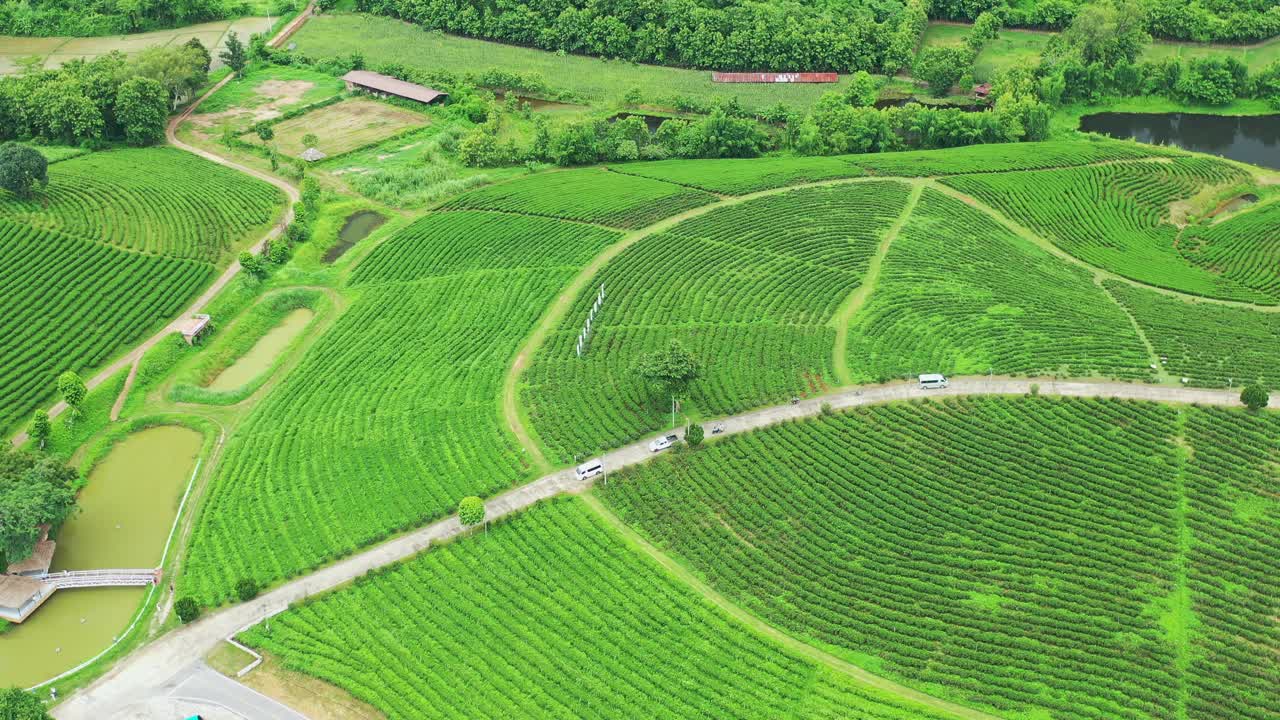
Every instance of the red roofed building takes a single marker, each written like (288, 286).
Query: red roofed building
(383, 85)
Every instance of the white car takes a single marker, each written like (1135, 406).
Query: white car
(663, 442)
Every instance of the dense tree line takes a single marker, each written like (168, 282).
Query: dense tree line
(108, 17)
(34, 491)
(108, 98)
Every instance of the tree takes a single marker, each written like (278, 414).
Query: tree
(985, 29)
(1106, 32)
(671, 370)
(39, 428)
(18, 704)
(471, 511)
(179, 70)
(264, 132)
(141, 110)
(694, 435)
(863, 89)
(246, 589)
(187, 609)
(198, 47)
(34, 491)
(1255, 397)
(22, 168)
(72, 389)
(941, 67)
(228, 135)
(253, 265)
(310, 140)
(234, 55)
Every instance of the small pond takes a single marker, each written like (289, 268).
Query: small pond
(1254, 139)
(356, 228)
(259, 358)
(126, 512)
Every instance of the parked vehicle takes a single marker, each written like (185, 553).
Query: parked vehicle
(589, 469)
(663, 442)
(717, 428)
(933, 381)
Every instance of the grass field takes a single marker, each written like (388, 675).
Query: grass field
(155, 200)
(748, 288)
(392, 416)
(603, 633)
(599, 81)
(1117, 217)
(960, 294)
(346, 125)
(1043, 558)
(264, 94)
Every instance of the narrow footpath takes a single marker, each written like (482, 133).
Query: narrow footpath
(148, 672)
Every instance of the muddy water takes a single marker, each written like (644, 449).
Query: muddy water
(356, 228)
(259, 358)
(127, 509)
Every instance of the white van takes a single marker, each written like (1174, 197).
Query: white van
(933, 381)
(589, 469)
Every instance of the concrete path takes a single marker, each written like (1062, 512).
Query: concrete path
(200, 690)
(152, 670)
(130, 359)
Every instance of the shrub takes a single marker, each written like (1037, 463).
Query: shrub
(187, 609)
(694, 435)
(471, 511)
(1255, 397)
(246, 589)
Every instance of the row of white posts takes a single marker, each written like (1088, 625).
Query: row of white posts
(586, 329)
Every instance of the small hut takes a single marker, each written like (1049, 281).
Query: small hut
(312, 155)
(982, 91)
(194, 326)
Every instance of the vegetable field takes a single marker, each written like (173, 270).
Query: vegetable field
(748, 288)
(590, 195)
(1116, 216)
(960, 294)
(1018, 554)
(157, 200)
(1003, 157)
(392, 416)
(1210, 344)
(1244, 249)
(551, 615)
(67, 303)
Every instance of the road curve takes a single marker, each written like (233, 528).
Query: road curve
(146, 672)
(130, 359)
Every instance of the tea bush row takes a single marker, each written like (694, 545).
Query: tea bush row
(1244, 249)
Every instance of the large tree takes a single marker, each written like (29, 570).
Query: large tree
(22, 168)
(34, 491)
(941, 67)
(670, 370)
(234, 55)
(1107, 32)
(141, 110)
(179, 70)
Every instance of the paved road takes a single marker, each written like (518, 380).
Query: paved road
(130, 360)
(150, 671)
(200, 690)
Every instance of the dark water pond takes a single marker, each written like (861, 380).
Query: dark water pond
(356, 228)
(1253, 139)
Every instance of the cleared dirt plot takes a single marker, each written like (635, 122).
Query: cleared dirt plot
(578, 626)
(589, 195)
(960, 294)
(263, 94)
(345, 126)
(1025, 555)
(748, 288)
(1208, 343)
(157, 200)
(1116, 216)
(393, 415)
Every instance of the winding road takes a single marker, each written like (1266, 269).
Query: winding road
(150, 671)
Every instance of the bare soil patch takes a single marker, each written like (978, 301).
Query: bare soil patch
(310, 696)
(274, 95)
(346, 126)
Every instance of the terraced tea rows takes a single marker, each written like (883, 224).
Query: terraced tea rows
(588, 195)
(1244, 249)
(735, 176)
(1210, 344)
(1115, 216)
(158, 200)
(960, 294)
(1006, 553)
(602, 633)
(1234, 565)
(392, 416)
(1002, 157)
(67, 303)
(748, 288)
